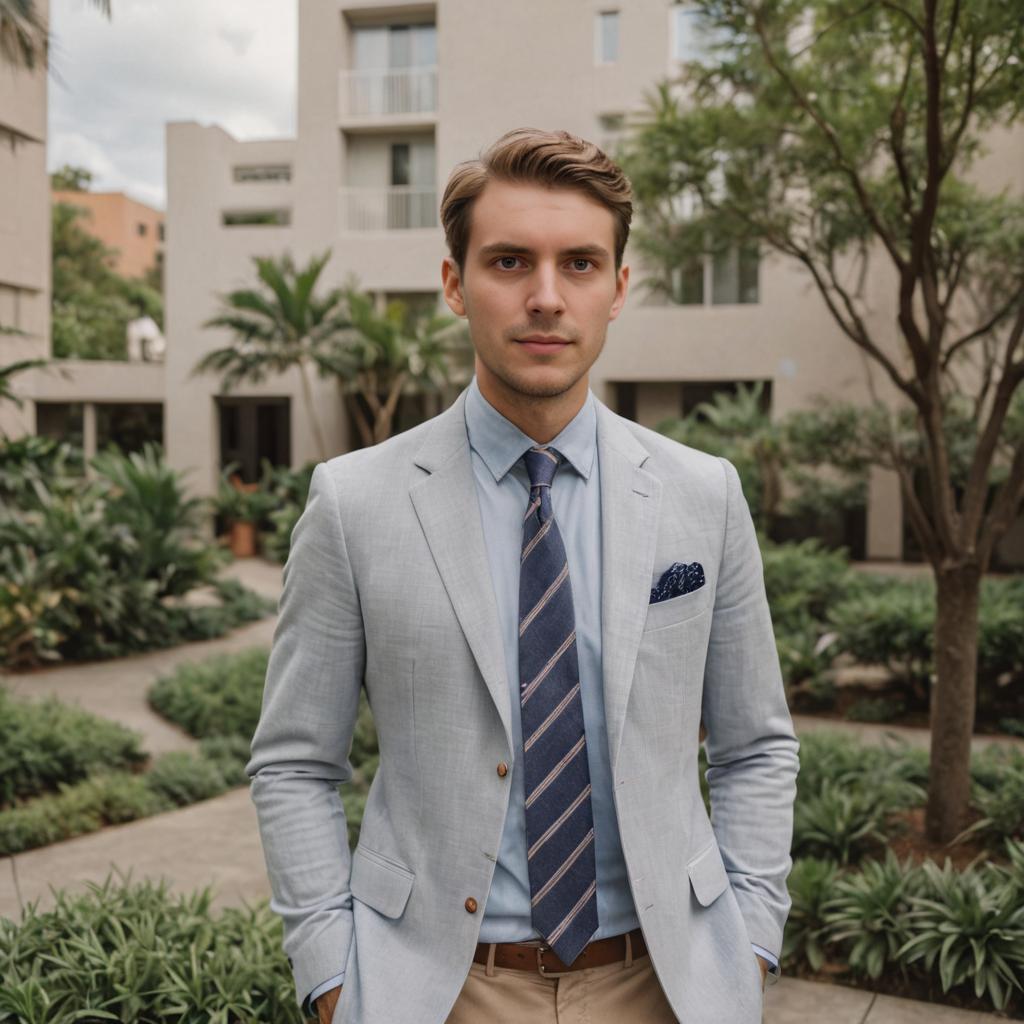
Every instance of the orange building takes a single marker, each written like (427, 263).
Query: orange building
(135, 230)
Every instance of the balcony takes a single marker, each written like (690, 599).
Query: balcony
(387, 93)
(388, 209)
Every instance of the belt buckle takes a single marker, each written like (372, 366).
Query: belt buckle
(544, 973)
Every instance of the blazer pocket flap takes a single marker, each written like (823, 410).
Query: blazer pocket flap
(380, 883)
(707, 875)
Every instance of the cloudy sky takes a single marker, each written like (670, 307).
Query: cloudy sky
(114, 84)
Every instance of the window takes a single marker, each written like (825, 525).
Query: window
(729, 277)
(606, 37)
(262, 172)
(160, 231)
(691, 38)
(400, 163)
(141, 228)
(734, 276)
(260, 218)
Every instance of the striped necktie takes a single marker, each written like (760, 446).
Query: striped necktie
(559, 818)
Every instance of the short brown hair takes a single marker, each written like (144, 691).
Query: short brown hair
(556, 159)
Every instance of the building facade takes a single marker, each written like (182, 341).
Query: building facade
(24, 233)
(132, 229)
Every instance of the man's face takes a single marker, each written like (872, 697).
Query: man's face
(538, 287)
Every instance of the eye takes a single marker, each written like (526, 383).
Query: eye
(584, 260)
(500, 261)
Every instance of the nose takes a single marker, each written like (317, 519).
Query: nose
(545, 296)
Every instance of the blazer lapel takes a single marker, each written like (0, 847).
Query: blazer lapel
(448, 510)
(630, 500)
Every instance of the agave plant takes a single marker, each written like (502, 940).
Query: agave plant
(970, 924)
(811, 883)
(838, 823)
(868, 912)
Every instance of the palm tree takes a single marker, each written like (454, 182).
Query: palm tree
(25, 36)
(277, 326)
(384, 355)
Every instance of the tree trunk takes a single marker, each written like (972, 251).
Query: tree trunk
(314, 420)
(958, 592)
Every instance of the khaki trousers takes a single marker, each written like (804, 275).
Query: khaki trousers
(613, 994)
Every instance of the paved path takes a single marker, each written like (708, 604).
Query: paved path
(117, 689)
(216, 842)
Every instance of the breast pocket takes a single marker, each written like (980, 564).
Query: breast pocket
(678, 609)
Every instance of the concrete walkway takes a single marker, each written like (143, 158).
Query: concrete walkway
(216, 842)
(117, 689)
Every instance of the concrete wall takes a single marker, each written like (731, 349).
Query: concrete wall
(24, 230)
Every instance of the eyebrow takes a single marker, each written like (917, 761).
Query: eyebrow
(512, 249)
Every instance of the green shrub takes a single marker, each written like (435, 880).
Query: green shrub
(77, 809)
(894, 772)
(182, 778)
(811, 883)
(969, 926)
(1001, 807)
(841, 824)
(892, 627)
(220, 696)
(134, 952)
(289, 489)
(47, 743)
(875, 709)
(803, 580)
(867, 913)
(230, 754)
(92, 567)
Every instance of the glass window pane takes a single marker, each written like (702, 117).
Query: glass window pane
(608, 36)
(687, 38)
(748, 273)
(424, 46)
(725, 288)
(399, 47)
(688, 284)
(400, 163)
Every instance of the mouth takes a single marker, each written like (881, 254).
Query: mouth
(546, 344)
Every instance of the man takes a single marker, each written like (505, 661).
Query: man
(544, 601)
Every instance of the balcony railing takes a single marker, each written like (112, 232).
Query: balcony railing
(388, 209)
(388, 91)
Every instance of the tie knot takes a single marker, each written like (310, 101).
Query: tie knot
(541, 463)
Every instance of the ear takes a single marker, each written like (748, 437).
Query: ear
(621, 288)
(451, 283)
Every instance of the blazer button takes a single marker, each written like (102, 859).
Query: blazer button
(471, 905)
(502, 769)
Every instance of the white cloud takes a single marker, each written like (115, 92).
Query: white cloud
(116, 83)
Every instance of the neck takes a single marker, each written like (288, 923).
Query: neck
(540, 418)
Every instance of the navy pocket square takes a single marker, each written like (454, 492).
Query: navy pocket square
(679, 578)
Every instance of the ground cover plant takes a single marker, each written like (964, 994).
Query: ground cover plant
(138, 953)
(877, 904)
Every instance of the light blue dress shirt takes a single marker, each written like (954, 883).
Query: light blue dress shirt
(503, 491)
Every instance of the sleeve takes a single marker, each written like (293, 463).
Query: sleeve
(302, 742)
(751, 747)
(307, 1006)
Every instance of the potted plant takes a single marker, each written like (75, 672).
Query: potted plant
(242, 506)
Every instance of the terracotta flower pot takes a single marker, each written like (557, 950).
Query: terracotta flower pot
(243, 540)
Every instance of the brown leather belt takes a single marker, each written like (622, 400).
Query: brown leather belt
(539, 956)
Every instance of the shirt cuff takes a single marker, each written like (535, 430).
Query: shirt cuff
(326, 986)
(770, 957)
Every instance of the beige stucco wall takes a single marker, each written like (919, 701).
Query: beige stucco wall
(24, 230)
(114, 219)
(204, 260)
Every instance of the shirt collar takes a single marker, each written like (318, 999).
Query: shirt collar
(500, 443)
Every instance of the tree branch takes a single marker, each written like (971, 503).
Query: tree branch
(989, 324)
(1004, 509)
